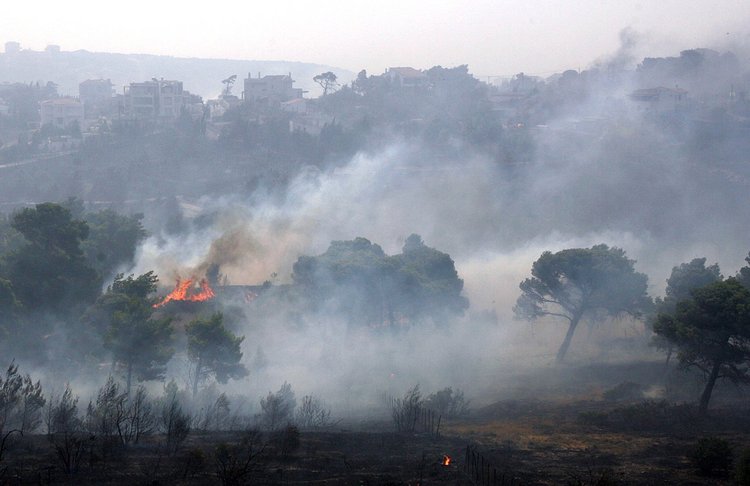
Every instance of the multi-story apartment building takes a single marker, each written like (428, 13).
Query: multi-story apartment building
(157, 98)
(61, 112)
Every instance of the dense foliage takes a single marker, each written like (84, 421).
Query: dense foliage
(579, 282)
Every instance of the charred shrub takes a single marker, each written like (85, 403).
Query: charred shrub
(194, 462)
(625, 391)
(175, 423)
(646, 415)
(405, 411)
(277, 409)
(312, 413)
(21, 403)
(448, 403)
(65, 430)
(742, 470)
(234, 463)
(712, 456)
(592, 417)
(286, 441)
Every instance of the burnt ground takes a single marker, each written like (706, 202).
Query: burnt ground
(570, 435)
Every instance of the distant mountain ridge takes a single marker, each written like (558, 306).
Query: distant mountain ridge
(200, 76)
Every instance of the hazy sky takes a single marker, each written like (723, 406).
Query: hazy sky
(499, 37)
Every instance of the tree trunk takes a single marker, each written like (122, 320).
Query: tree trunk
(568, 337)
(669, 355)
(706, 396)
(130, 375)
(197, 377)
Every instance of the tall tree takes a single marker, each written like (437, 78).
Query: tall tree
(214, 350)
(581, 282)
(327, 81)
(49, 272)
(711, 331)
(139, 343)
(682, 281)
(113, 240)
(743, 276)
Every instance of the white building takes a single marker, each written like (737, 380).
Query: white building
(157, 98)
(274, 88)
(61, 112)
(407, 77)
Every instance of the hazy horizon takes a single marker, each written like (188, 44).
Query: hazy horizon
(494, 39)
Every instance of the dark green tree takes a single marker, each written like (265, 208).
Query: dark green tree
(683, 280)
(358, 280)
(214, 350)
(49, 272)
(327, 81)
(426, 282)
(113, 240)
(582, 282)
(711, 331)
(140, 344)
(743, 276)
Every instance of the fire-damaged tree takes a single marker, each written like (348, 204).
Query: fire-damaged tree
(359, 281)
(711, 331)
(139, 343)
(582, 282)
(214, 350)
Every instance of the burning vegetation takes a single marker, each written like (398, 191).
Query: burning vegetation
(186, 291)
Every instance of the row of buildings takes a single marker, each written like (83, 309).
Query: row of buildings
(156, 100)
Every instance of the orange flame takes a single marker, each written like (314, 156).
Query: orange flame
(185, 291)
(446, 460)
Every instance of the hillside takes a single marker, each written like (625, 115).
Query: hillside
(200, 76)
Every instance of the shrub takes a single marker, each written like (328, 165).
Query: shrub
(712, 456)
(448, 403)
(235, 462)
(312, 413)
(405, 411)
(742, 471)
(277, 408)
(626, 390)
(175, 423)
(286, 441)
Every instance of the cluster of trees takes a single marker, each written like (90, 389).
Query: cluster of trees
(52, 267)
(704, 317)
(359, 281)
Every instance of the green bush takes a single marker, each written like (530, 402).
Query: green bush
(712, 456)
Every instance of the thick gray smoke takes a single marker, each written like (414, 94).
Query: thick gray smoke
(602, 171)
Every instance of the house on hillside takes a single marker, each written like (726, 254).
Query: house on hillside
(61, 112)
(275, 88)
(660, 99)
(407, 77)
(96, 96)
(159, 99)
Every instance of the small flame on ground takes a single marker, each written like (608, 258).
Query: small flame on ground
(446, 460)
(185, 291)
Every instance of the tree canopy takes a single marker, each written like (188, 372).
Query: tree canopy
(682, 281)
(49, 272)
(580, 282)
(214, 349)
(711, 331)
(359, 281)
(139, 343)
